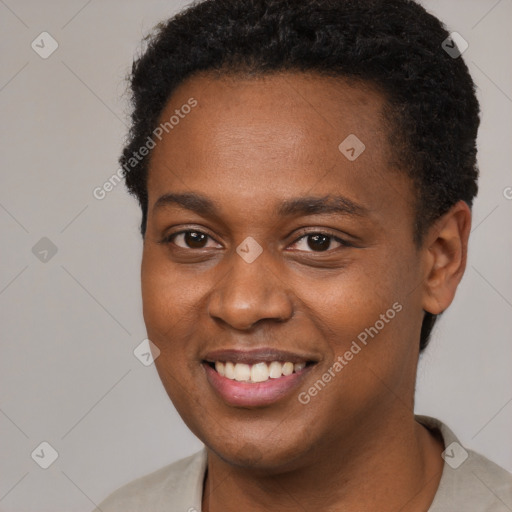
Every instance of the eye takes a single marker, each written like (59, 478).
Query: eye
(309, 242)
(319, 242)
(188, 239)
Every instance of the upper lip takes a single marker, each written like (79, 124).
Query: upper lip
(257, 355)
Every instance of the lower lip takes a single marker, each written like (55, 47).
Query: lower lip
(258, 394)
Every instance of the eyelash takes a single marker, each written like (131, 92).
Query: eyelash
(169, 239)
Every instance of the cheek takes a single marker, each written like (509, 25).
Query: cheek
(168, 309)
(169, 317)
(167, 295)
(353, 297)
(368, 312)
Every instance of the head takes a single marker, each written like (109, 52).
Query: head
(247, 112)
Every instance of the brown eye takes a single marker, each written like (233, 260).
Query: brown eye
(194, 239)
(189, 239)
(319, 242)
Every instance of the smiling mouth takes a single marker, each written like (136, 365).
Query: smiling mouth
(257, 372)
(258, 377)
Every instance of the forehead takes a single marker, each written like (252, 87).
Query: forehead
(313, 110)
(274, 136)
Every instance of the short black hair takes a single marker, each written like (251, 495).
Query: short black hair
(432, 113)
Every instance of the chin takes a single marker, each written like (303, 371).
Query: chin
(260, 455)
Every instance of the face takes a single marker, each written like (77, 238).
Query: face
(284, 260)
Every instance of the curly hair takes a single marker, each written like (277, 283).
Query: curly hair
(432, 113)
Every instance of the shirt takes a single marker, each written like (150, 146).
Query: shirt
(469, 483)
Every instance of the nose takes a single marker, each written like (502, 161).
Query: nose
(250, 293)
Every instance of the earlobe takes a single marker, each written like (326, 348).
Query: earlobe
(445, 250)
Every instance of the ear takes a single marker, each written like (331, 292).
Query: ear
(445, 248)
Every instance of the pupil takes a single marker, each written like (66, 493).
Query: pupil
(315, 242)
(321, 242)
(194, 239)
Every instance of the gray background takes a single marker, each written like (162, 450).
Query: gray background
(70, 324)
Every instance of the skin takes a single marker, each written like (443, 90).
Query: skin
(250, 144)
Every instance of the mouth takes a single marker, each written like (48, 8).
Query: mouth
(255, 378)
(257, 372)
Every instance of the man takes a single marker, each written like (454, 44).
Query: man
(306, 172)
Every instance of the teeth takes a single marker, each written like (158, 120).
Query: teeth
(220, 368)
(297, 367)
(229, 369)
(259, 372)
(275, 370)
(287, 368)
(242, 372)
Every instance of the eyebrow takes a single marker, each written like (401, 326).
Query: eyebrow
(310, 205)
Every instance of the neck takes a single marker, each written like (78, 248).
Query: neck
(394, 464)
